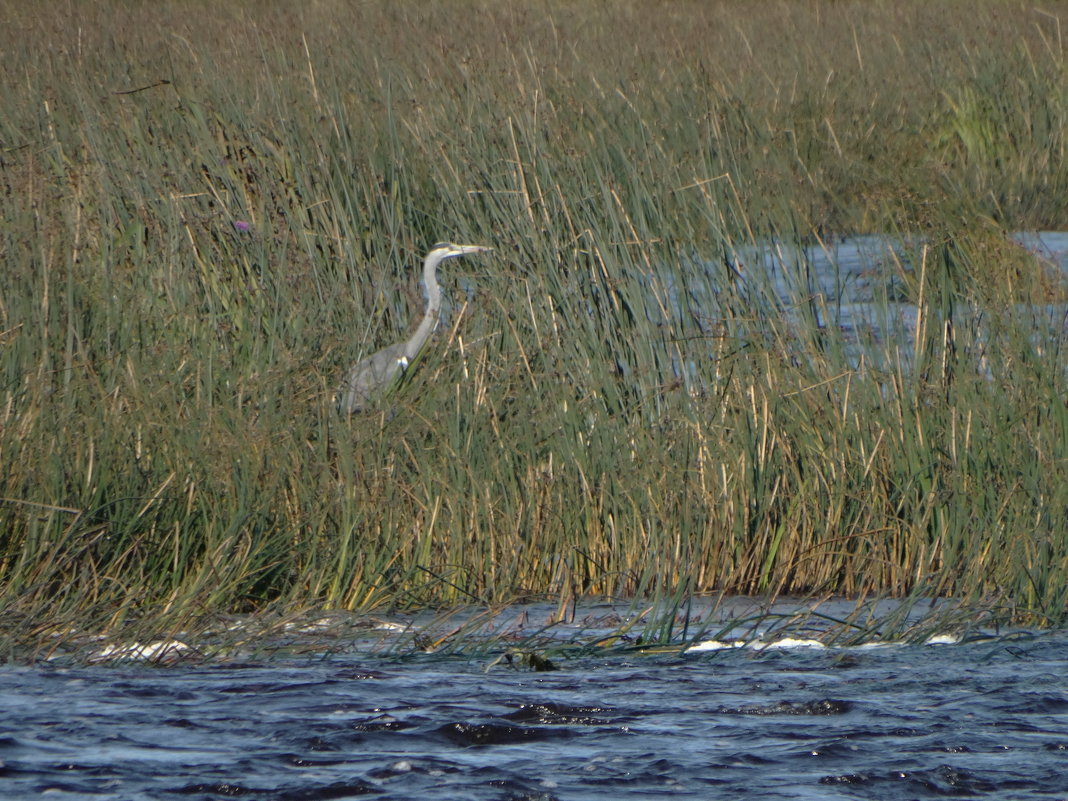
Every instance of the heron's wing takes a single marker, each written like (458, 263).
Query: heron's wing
(371, 376)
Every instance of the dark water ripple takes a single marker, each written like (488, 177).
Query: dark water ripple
(985, 720)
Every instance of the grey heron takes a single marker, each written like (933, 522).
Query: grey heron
(371, 375)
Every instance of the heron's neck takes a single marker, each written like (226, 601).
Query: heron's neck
(433, 308)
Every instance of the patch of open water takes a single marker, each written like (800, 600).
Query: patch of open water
(850, 288)
(980, 719)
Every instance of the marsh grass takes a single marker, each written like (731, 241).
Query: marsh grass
(206, 217)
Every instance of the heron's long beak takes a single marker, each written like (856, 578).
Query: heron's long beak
(465, 249)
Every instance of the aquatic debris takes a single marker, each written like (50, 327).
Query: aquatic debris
(527, 659)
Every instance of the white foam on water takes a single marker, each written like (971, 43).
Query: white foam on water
(158, 651)
(943, 639)
(788, 643)
(716, 645)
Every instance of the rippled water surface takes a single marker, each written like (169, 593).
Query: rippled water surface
(987, 719)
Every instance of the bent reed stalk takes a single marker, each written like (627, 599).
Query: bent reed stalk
(205, 220)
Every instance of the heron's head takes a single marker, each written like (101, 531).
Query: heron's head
(448, 250)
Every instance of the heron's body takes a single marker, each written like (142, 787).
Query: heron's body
(370, 376)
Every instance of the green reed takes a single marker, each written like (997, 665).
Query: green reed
(206, 218)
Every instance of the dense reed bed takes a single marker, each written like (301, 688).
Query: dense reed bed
(209, 211)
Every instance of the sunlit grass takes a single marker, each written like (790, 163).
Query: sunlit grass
(206, 217)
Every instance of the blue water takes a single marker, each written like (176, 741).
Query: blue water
(849, 293)
(987, 719)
